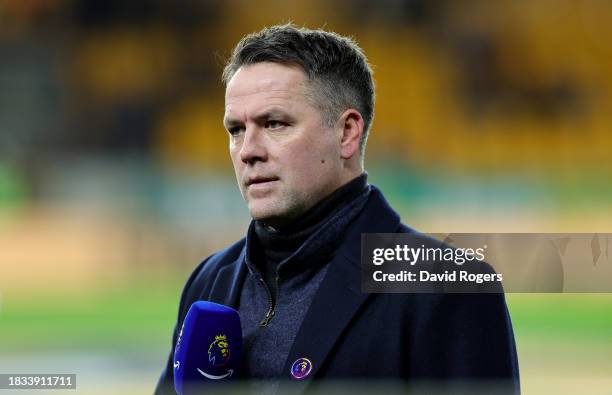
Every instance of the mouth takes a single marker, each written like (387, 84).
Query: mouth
(260, 180)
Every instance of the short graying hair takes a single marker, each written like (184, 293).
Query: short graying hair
(337, 70)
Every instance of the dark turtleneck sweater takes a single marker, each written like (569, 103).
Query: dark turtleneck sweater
(273, 246)
(286, 267)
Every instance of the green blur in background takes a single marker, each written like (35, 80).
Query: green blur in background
(115, 179)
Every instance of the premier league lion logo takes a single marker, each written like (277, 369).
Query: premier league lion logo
(218, 351)
(301, 368)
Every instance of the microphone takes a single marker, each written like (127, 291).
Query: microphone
(209, 347)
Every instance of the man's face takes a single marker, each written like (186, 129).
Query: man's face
(285, 159)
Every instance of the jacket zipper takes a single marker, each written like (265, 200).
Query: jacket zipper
(271, 311)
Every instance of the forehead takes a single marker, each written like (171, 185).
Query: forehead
(265, 81)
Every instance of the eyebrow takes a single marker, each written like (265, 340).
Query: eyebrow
(229, 122)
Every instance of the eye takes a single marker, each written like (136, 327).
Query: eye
(235, 130)
(273, 124)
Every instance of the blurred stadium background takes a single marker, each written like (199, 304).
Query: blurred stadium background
(115, 179)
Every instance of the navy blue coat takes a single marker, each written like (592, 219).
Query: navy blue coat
(439, 339)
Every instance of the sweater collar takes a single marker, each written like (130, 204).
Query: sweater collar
(270, 246)
(279, 244)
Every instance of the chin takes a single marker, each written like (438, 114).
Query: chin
(269, 216)
(261, 212)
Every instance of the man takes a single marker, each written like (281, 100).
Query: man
(298, 108)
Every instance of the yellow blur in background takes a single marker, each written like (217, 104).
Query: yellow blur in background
(115, 179)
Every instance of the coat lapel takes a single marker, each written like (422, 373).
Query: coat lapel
(339, 296)
(230, 277)
(335, 303)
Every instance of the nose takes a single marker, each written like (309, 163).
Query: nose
(253, 147)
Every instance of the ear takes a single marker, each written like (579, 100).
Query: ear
(352, 125)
